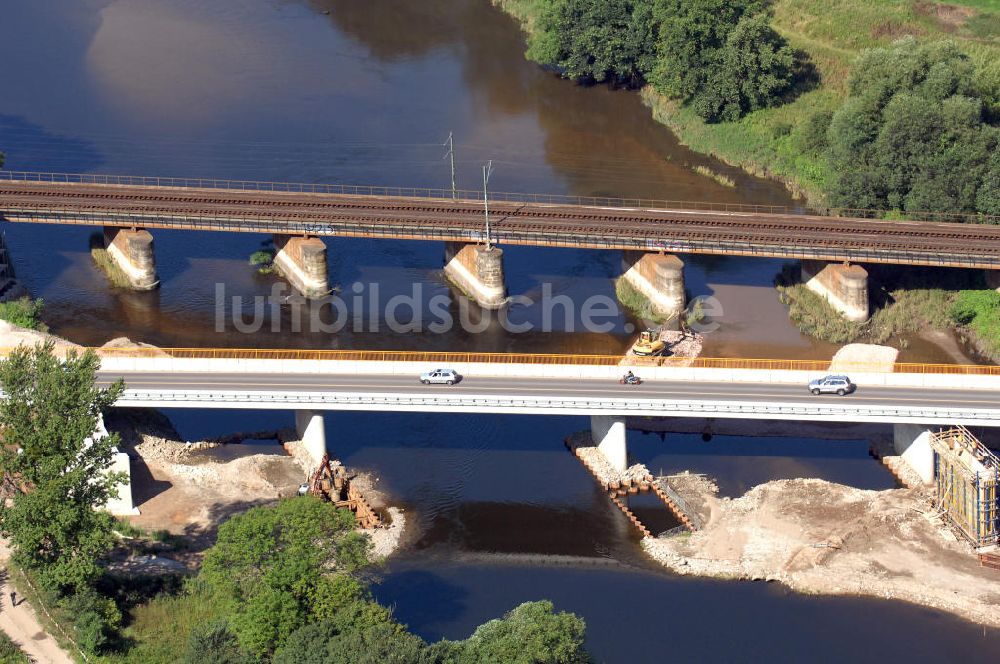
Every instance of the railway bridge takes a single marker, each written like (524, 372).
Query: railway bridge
(650, 233)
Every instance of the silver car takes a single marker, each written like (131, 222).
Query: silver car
(839, 385)
(440, 376)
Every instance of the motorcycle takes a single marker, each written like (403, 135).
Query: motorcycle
(630, 380)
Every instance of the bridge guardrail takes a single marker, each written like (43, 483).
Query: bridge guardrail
(450, 357)
(475, 196)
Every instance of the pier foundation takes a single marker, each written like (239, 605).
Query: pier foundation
(913, 443)
(659, 277)
(845, 287)
(302, 261)
(122, 504)
(132, 251)
(478, 271)
(608, 433)
(311, 431)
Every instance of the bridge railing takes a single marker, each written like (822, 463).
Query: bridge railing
(475, 196)
(447, 357)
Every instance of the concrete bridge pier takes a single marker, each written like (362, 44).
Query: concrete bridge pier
(659, 277)
(913, 443)
(478, 271)
(302, 261)
(844, 286)
(311, 431)
(609, 435)
(993, 279)
(132, 250)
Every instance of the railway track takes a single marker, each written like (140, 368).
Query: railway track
(738, 233)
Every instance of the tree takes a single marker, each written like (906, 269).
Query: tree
(913, 134)
(55, 474)
(755, 68)
(988, 197)
(532, 633)
(274, 564)
(596, 40)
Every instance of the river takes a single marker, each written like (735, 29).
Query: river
(366, 94)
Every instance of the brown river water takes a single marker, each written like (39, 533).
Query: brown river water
(366, 94)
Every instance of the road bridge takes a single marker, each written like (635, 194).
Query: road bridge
(912, 397)
(298, 215)
(922, 395)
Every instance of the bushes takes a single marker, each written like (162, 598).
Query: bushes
(96, 619)
(23, 312)
(979, 311)
(530, 634)
(912, 135)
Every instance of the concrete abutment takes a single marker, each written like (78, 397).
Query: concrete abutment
(845, 287)
(132, 250)
(478, 271)
(609, 434)
(302, 261)
(311, 430)
(913, 443)
(659, 278)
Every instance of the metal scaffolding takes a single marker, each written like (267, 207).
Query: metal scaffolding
(967, 476)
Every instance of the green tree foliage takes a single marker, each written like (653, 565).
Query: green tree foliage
(722, 56)
(988, 196)
(912, 135)
(532, 633)
(55, 476)
(754, 69)
(274, 565)
(596, 40)
(214, 644)
(376, 645)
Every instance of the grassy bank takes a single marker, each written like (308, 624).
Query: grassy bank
(774, 142)
(636, 303)
(108, 266)
(903, 303)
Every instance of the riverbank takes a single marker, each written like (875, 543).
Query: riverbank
(775, 142)
(820, 537)
(189, 488)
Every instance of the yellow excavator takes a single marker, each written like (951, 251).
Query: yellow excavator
(649, 344)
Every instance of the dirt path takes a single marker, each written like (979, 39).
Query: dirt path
(22, 626)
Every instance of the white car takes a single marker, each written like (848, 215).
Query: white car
(440, 376)
(839, 385)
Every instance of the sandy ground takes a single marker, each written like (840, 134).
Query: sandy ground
(183, 489)
(189, 489)
(819, 537)
(682, 350)
(12, 336)
(864, 357)
(21, 623)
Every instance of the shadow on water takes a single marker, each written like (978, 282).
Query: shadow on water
(503, 514)
(636, 616)
(30, 147)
